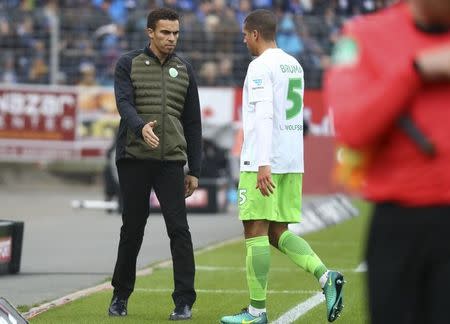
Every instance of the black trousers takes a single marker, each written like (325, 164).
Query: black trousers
(137, 178)
(408, 257)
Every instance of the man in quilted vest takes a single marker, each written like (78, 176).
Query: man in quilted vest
(160, 130)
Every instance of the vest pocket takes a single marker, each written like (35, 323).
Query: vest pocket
(175, 145)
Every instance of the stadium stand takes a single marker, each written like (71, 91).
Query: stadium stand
(78, 41)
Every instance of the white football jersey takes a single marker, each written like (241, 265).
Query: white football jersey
(277, 77)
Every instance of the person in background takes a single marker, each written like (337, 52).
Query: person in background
(208, 74)
(160, 129)
(390, 101)
(87, 75)
(271, 170)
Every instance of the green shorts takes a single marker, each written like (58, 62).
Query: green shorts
(283, 205)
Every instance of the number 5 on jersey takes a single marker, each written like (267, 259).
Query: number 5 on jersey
(294, 95)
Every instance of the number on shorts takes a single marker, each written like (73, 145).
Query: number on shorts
(242, 196)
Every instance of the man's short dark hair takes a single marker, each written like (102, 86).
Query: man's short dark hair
(263, 21)
(161, 14)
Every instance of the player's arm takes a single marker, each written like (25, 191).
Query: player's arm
(365, 100)
(263, 128)
(261, 96)
(192, 126)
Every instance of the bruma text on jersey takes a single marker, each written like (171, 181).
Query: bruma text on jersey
(285, 68)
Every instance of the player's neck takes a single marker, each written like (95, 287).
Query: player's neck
(160, 55)
(265, 46)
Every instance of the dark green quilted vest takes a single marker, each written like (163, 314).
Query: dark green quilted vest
(159, 93)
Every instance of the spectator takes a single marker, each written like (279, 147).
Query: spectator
(227, 32)
(204, 10)
(245, 6)
(208, 74)
(345, 8)
(332, 30)
(287, 37)
(313, 59)
(8, 41)
(7, 71)
(225, 75)
(211, 27)
(87, 74)
(214, 29)
(115, 8)
(193, 35)
(262, 4)
(38, 71)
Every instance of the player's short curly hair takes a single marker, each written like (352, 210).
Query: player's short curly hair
(263, 21)
(161, 14)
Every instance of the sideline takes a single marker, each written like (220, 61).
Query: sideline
(228, 291)
(107, 285)
(300, 310)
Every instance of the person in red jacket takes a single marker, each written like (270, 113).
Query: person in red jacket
(389, 96)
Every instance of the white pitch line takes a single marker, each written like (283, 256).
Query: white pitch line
(168, 265)
(214, 268)
(227, 291)
(300, 310)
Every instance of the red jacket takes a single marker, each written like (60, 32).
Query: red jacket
(368, 97)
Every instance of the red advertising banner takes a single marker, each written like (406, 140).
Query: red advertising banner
(199, 199)
(45, 123)
(37, 114)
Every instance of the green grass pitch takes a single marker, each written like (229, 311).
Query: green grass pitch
(222, 290)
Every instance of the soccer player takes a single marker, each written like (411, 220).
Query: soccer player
(389, 91)
(270, 184)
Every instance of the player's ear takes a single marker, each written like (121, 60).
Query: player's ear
(150, 33)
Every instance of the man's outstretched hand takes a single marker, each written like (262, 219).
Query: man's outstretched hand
(149, 136)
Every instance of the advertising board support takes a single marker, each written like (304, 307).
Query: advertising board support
(209, 198)
(11, 237)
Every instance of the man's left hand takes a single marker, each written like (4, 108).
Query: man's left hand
(190, 184)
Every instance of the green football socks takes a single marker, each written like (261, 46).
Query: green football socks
(257, 266)
(299, 251)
